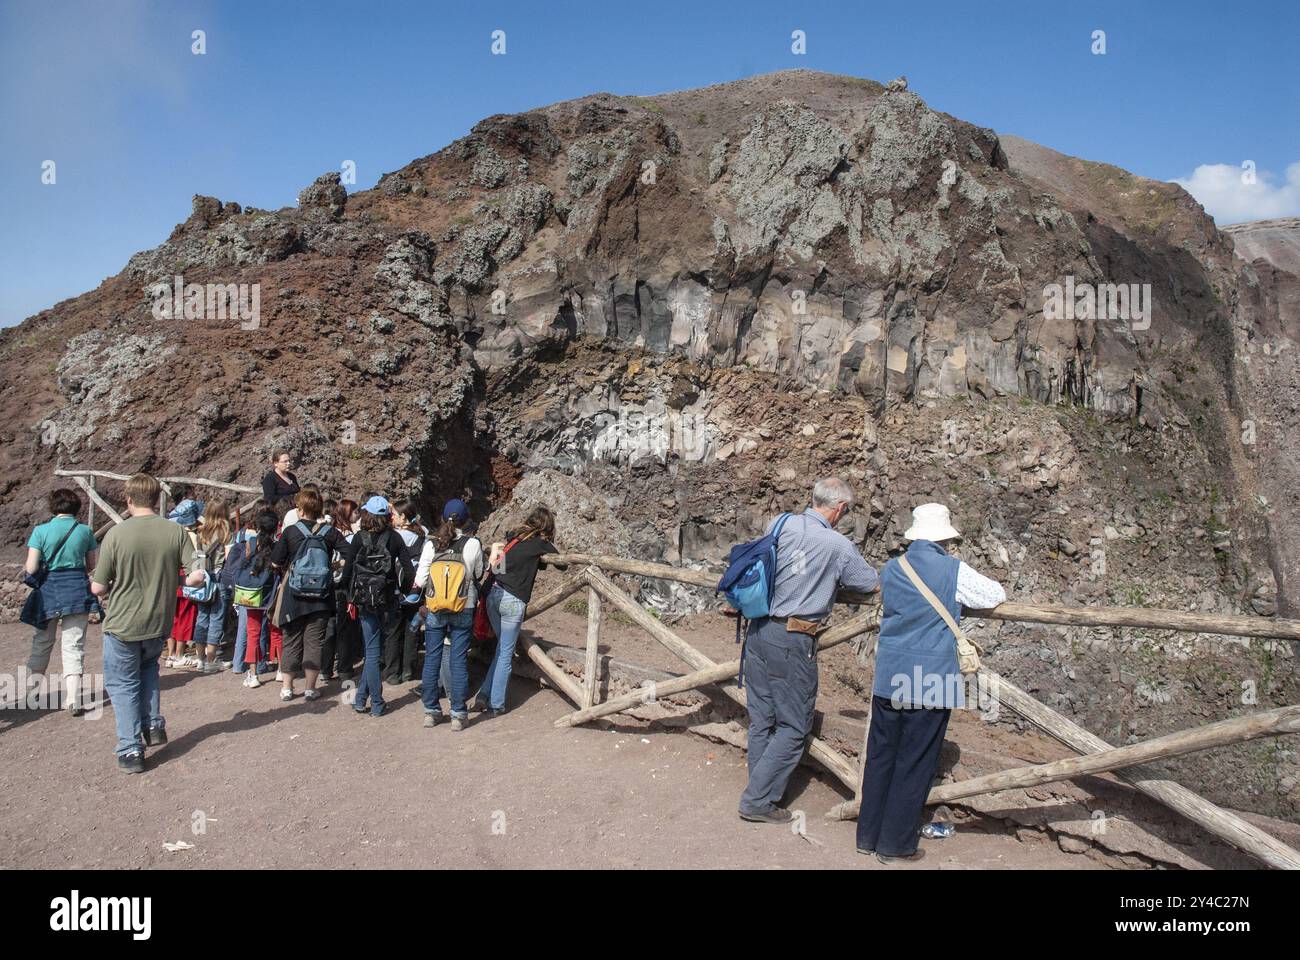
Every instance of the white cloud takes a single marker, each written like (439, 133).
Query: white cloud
(1221, 189)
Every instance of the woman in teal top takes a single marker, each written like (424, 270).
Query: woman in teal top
(59, 554)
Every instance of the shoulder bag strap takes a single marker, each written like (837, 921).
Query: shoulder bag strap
(55, 553)
(934, 602)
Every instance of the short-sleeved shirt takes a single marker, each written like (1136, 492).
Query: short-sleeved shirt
(140, 561)
(72, 555)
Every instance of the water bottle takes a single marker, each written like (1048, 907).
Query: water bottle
(937, 830)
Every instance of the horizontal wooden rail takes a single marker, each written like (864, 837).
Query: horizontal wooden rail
(1270, 723)
(192, 481)
(1144, 617)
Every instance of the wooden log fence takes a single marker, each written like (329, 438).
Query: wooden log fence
(1097, 754)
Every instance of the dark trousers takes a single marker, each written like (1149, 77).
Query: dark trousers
(902, 758)
(781, 691)
(342, 643)
(400, 643)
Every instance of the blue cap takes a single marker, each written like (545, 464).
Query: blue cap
(455, 510)
(186, 513)
(377, 506)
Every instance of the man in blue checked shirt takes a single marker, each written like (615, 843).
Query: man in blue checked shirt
(812, 563)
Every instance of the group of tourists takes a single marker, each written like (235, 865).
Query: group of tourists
(307, 587)
(311, 589)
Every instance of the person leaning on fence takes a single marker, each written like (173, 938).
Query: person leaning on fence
(137, 573)
(918, 682)
(780, 656)
(59, 552)
(514, 571)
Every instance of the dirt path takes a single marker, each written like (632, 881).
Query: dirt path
(304, 785)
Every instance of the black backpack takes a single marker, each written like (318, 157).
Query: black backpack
(374, 581)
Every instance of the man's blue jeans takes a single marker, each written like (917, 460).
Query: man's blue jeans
(506, 612)
(371, 686)
(436, 626)
(131, 681)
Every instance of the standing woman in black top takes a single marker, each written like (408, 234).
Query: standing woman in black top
(303, 619)
(279, 483)
(514, 568)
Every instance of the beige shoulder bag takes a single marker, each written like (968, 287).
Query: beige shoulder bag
(968, 651)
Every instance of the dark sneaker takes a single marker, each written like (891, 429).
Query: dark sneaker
(773, 814)
(154, 736)
(909, 858)
(131, 763)
(866, 853)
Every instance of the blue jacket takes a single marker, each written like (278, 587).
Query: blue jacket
(62, 592)
(916, 659)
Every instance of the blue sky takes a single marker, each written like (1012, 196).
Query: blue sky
(136, 123)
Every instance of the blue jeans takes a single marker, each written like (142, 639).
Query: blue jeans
(131, 682)
(436, 626)
(506, 612)
(241, 642)
(211, 620)
(371, 686)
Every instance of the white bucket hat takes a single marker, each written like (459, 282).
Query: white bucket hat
(930, 521)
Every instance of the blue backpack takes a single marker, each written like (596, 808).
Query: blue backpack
(311, 576)
(751, 574)
(749, 582)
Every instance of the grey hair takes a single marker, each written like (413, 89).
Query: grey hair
(831, 492)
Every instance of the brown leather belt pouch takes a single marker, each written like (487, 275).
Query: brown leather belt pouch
(809, 627)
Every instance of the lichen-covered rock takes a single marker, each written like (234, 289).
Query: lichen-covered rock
(326, 196)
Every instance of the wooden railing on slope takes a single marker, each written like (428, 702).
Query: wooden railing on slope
(1098, 755)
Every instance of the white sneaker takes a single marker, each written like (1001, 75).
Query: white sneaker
(279, 677)
(286, 695)
(311, 694)
(251, 681)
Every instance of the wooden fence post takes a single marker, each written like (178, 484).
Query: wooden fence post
(591, 672)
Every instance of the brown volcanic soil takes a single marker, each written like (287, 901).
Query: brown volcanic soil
(303, 786)
(299, 785)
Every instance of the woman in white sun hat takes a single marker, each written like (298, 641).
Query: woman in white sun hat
(917, 684)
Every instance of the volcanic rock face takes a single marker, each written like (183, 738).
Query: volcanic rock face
(669, 315)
